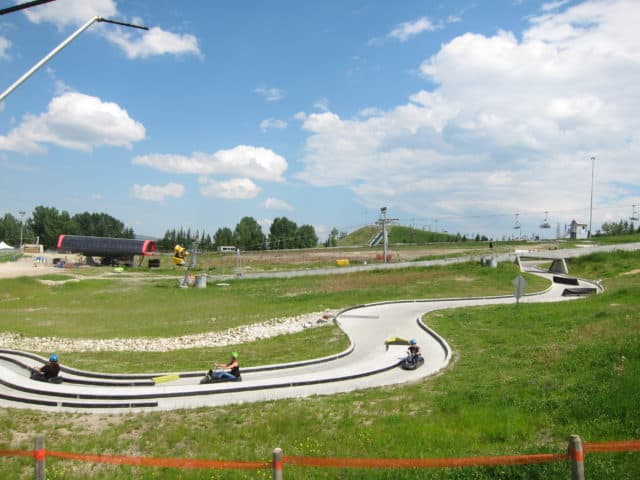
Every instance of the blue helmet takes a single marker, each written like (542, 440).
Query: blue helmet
(413, 341)
(53, 358)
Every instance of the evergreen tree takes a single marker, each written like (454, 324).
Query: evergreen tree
(223, 236)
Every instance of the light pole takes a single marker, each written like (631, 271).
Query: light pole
(22, 6)
(21, 213)
(55, 51)
(383, 211)
(593, 162)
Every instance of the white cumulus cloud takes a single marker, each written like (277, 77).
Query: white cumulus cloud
(242, 161)
(406, 30)
(277, 204)
(5, 45)
(269, 123)
(270, 94)
(71, 12)
(157, 193)
(134, 43)
(76, 121)
(156, 41)
(234, 189)
(509, 126)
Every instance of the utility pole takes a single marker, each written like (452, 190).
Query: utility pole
(384, 221)
(21, 213)
(593, 162)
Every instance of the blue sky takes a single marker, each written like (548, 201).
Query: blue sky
(455, 115)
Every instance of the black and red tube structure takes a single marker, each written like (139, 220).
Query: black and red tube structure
(105, 246)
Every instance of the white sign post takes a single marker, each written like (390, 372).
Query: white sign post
(519, 283)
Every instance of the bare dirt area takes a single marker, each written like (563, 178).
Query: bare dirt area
(34, 266)
(25, 267)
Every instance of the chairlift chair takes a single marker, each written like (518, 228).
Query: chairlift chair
(634, 216)
(545, 223)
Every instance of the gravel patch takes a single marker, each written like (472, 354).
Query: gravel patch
(233, 336)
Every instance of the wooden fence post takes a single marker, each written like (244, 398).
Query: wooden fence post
(39, 455)
(576, 457)
(277, 464)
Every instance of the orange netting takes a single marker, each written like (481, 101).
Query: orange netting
(621, 446)
(590, 447)
(139, 461)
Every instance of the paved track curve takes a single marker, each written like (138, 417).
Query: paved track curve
(367, 363)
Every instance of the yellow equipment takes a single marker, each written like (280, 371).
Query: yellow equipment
(179, 255)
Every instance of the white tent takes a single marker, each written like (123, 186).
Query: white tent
(4, 246)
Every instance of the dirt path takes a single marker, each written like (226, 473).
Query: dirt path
(26, 267)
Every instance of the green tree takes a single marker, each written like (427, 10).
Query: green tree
(248, 235)
(306, 237)
(100, 225)
(332, 239)
(48, 224)
(10, 230)
(223, 236)
(282, 233)
(621, 227)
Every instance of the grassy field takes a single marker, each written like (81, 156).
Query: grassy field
(522, 381)
(121, 307)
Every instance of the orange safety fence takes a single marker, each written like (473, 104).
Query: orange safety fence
(339, 462)
(609, 447)
(17, 453)
(139, 461)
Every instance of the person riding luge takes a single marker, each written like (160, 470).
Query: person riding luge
(229, 371)
(49, 372)
(414, 356)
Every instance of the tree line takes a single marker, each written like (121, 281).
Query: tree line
(46, 224)
(247, 235)
(622, 227)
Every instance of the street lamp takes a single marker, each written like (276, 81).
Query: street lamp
(21, 213)
(593, 161)
(55, 51)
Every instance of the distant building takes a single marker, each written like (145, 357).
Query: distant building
(577, 231)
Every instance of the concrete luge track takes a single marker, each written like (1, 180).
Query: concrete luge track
(368, 362)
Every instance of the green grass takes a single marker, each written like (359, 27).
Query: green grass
(312, 343)
(110, 308)
(524, 378)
